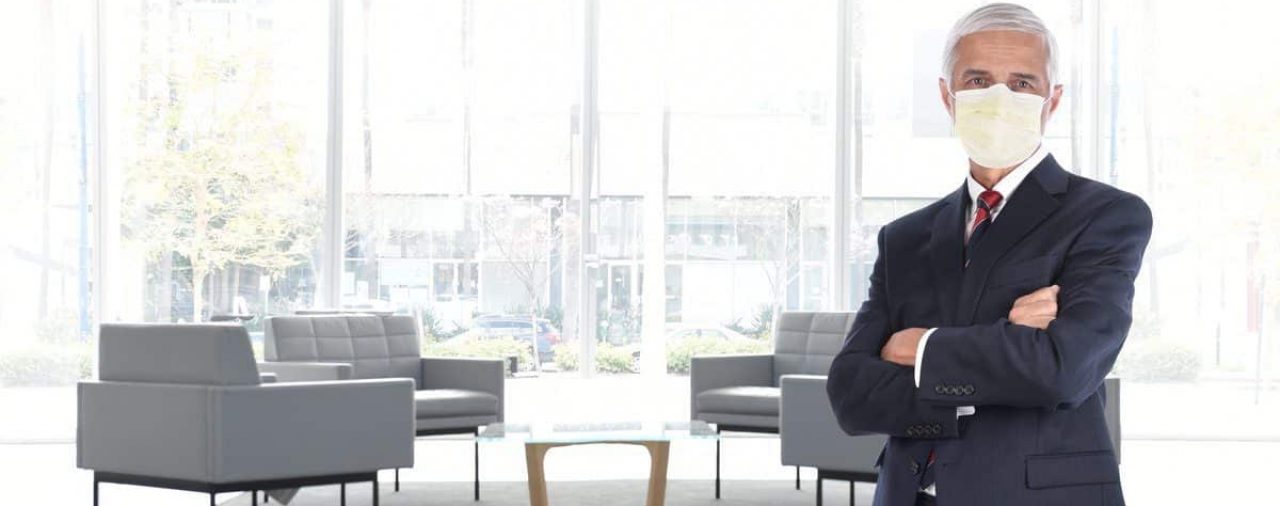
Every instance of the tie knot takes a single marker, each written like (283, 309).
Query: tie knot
(989, 200)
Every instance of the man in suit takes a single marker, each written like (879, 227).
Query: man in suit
(994, 314)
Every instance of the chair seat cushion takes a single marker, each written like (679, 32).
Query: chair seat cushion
(445, 402)
(740, 400)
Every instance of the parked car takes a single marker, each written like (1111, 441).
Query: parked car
(519, 327)
(690, 331)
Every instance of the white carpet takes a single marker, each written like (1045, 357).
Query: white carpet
(581, 493)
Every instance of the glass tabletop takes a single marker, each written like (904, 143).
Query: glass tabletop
(598, 432)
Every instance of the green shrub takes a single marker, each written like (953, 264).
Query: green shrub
(472, 347)
(680, 354)
(616, 359)
(44, 366)
(1158, 360)
(566, 356)
(622, 359)
(610, 359)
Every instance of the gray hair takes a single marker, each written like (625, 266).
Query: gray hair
(999, 16)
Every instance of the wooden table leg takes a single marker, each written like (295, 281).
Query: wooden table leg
(534, 456)
(658, 453)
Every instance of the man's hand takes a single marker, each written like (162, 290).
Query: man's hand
(901, 348)
(1036, 309)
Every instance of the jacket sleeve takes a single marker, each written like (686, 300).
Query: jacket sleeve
(869, 394)
(1005, 364)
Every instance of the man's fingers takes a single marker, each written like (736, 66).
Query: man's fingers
(1033, 314)
(1044, 307)
(1039, 322)
(1049, 307)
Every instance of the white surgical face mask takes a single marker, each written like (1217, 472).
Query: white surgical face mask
(998, 128)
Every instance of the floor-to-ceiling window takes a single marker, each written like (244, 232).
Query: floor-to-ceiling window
(46, 246)
(1203, 153)
(458, 154)
(215, 132)
(718, 119)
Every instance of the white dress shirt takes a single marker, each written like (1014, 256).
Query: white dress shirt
(1005, 187)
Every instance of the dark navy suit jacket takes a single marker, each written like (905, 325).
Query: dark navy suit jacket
(1039, 436)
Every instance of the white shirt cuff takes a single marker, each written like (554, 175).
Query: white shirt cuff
(920, 352)
(960, 410)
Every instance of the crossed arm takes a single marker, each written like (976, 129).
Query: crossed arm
(1054, 348)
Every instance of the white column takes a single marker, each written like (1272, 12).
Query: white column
(588, 261)
(100, 184)
(838, 299)
(328, 287)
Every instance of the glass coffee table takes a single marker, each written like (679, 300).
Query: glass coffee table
(654, 436)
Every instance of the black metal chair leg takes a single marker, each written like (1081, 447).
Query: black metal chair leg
(397, 479)
(265, 498)
(819, 487)
(95, 491)
(254, 494)
(213, 499)
(797, 477)
(853, 485)
(375, 489)
(717, 462)
(476, 443)
(342, 494)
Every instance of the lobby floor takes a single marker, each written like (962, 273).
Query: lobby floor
(1155, 471)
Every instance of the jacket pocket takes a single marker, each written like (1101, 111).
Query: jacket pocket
(1066, 469)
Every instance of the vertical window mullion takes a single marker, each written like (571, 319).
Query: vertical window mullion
(844, 153)
(332, 238)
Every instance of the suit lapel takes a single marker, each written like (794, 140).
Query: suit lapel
(946, 252)
(1032, 202)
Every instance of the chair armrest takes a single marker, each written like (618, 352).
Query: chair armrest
(719, 371)
(147, 429)
(238, 433)
(479, 374)
(312, 428)
(810, 435)
(287, 372)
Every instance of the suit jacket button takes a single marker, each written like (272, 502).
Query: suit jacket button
(915, 467)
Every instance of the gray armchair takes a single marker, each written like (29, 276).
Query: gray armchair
(811, 437)
(740, 393)
(184, 407)
(452, 395)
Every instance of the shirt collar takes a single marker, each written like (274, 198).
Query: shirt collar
(1011, 181)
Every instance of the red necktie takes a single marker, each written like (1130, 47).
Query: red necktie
(988, 201)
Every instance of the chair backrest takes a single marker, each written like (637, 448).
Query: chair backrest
(202, 354)
(375, 346)
(806, 343)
